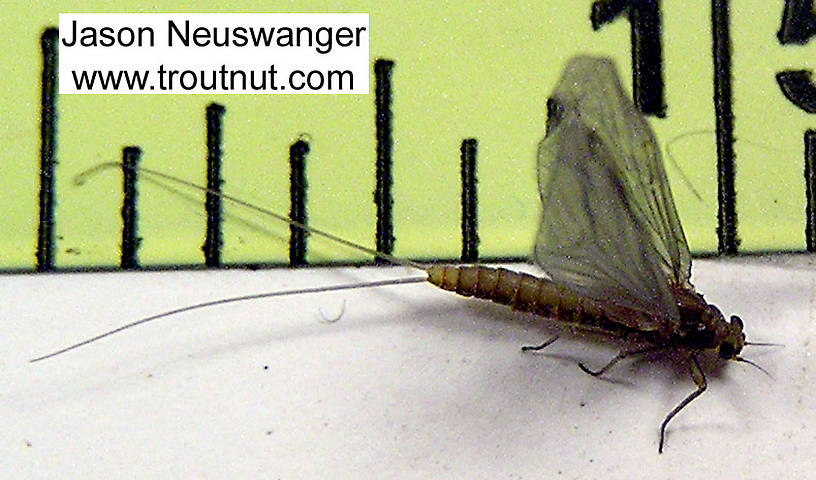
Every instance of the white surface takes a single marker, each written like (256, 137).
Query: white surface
(411, 382)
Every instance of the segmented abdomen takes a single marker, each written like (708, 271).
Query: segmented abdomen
(524, 292)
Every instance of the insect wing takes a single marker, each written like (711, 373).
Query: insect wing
(609, 228)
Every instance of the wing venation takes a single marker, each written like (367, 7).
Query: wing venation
(609, 227)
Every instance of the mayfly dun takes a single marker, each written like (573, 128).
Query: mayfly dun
(609, 240)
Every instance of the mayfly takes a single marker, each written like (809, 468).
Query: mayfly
(610, 239)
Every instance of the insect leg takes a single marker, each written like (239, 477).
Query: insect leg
(699, 378)
(620, 356)
(535, 348)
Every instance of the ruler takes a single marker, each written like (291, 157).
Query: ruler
(463, 84)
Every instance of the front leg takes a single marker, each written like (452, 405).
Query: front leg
(699, 379)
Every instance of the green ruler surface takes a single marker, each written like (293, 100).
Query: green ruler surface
(461, 70)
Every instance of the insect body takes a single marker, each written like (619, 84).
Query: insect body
(701, 326)
(610, 239)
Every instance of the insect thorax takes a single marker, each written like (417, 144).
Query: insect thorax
(702, 326)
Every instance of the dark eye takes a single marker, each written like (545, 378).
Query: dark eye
(735, 320)
(726, 350)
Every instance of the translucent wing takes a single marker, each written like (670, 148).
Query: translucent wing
(609, 229)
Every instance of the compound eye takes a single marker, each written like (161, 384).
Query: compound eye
(735, 320)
